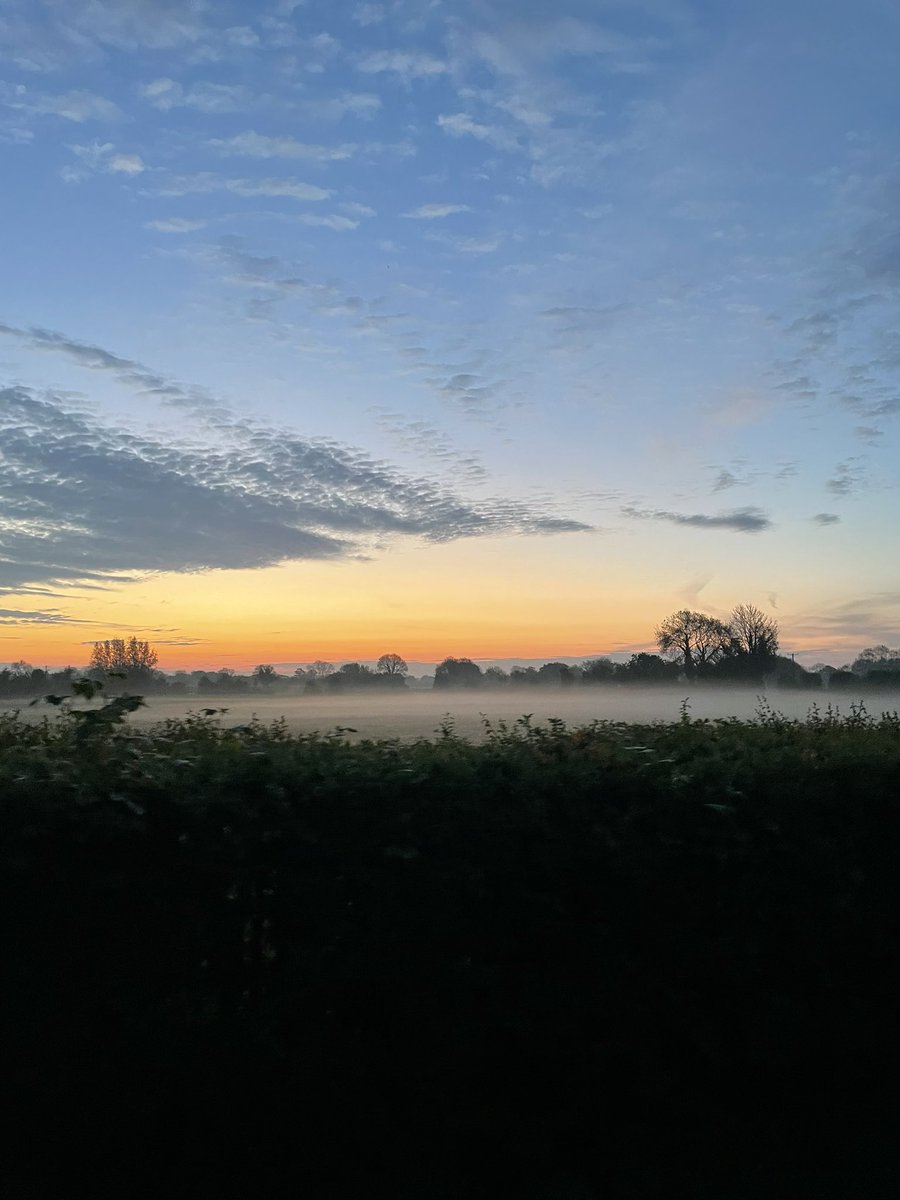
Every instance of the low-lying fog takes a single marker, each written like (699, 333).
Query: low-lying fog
(420, 714)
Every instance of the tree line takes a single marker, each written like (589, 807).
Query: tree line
(693, 647)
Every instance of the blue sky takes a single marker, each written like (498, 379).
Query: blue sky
(610, 288)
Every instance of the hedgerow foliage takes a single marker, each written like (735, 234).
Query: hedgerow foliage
(611, 961)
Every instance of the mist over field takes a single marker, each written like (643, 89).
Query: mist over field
(422, 714)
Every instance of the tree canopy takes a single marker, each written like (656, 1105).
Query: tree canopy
(457, 672)
(117, 654)
(694, 640)
(392, 664)
(744, 646)
(754, 634)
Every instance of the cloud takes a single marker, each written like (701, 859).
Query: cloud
(205, 182)
(824, 518)
(692, 589)
(461, 125)
(358, 210)
(468, 245)
(421, 438)
(126, 164)
(867, 433)
(845, 480)
(257, 145)
(76, 106)
(868, 619)
(596, 212)
(724, 481)
(16, 616)
(151, 24)
(210, 98)
(346, 104)
(738, 520)
(331, 221)
(408, 65)
(83, 500)
(242, 35)
(369, 14)
(435, 212)
(175, 225)
(101, 158)
(132, 374)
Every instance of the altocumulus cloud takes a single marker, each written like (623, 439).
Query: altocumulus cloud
(16, 616)
(80, 500)
(738, 520)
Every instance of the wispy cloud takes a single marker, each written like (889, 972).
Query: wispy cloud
(461, 125)
(725, 480)
(467, 246)
(175, 225)
(369, 14)
(206, 182)
(846, 479)
(257, 145)
(330, 221)
(435, 212)
(408, 65)
(738, 520)
(16, 616)
(363, 105)
(211, 98)
(102, 158)
(824, 518)
(76, 106)
(128, 372)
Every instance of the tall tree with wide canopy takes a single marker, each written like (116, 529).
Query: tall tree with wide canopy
(694, 640)
(391, 664)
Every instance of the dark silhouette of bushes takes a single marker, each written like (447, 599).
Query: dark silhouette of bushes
(618, 961)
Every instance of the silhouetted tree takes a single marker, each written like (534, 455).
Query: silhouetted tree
(754, 634)
(647, 668)
(131, 656)
(351, 675)
(556, 674)
(265, 675)
(496, 677)
(458, 673)
(876, 658)
(391, 664)
(319, 669)
(598, 670)
(523, 676)
(694, 640)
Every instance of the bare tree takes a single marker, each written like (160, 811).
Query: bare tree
(694, 640)
(319, 669)
(753, 633)
(391, 664)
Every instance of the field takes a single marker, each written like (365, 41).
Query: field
(616, 961)
(416, 714)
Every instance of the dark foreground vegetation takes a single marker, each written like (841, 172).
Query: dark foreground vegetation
(617, 961)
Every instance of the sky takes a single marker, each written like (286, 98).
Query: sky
(477, 327)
